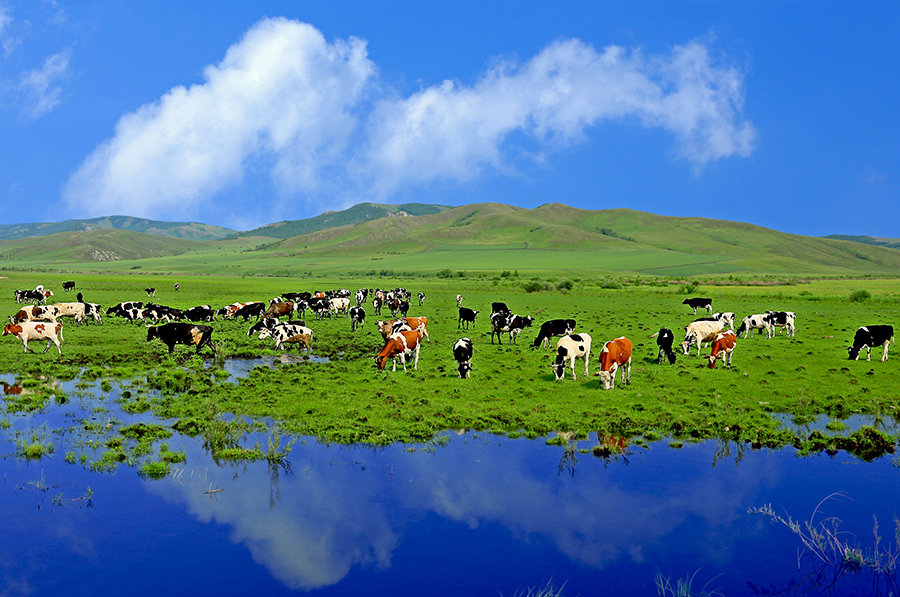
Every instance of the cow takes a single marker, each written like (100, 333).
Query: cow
(616, 353)
(283, 332)
(150, 291)
(509, 322)
(421, 297)
(120, 309)
(377, 303)
(569, 348)
(552, 328)
(133, 314)
(466, 316)
(722, 348)
(68, 286)
(782, 319)
(360, 296)
(300, 340)
(248, 310)
(198, 313)
(497, 307)
(38, 297)
(36, 330)
(357, 318)
(462, 352)
(339, 305)
(279, 309)
(176, 286)
(91, 310)
(36, 313)
(664, 338)
(698, 303)
(726, 317)
(403, 307)
(319, 306)
(76, 310)
(870, 336)
(416, 322)
(391, 327)
(459, 300)
(271, 322)
(403, 345)
(178, 332)
(698, 332)
(760, 321)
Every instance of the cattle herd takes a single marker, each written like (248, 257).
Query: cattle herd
(403, 335)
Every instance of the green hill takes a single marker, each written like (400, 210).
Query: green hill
(96, 246)
(180, 230)
(893, 243)
(362, 212)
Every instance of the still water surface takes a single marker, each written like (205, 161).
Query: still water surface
(475, 514)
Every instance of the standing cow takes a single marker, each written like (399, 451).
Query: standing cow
(569, 348)
(870, 336)
(35, 330)
(177, 332)
(462, 352)
(616, 353)
(722, 348)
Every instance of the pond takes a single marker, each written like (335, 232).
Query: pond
(469, 514)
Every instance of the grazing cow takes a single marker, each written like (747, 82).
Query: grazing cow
(870, 336)
(509, 322)
(782, 319)
(726, 317)
(462, 352)
(459, 300)
(403, 345)
(760, 321)
(37, 296)
(67, 286)
(36, 313)
(421, 297)
(552, 328)
(283, 332)
(76, 310)
(176, 286)
(616, 353)
(279, 309)
(698, 303)
(722, 348)
(664, 340)
(300, 340)
(466, 316)
(698, 332)
(177, 332)
(357, 318)
(319, 306)
(120, 309)
(150, 291)
(198, 313)
(270, 322)
(569, 348)
(36, 330)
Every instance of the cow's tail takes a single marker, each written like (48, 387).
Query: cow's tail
(654, 335)
(59, 330)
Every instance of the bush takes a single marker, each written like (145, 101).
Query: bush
(858, 296)
(535, 286)
(565, 285)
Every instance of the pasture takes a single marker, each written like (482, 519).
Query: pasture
(340, 396)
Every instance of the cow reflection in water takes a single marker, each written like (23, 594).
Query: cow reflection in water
(610, 448)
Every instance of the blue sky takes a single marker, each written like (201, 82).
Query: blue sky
(781, 114)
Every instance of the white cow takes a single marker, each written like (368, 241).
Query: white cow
(698, 332)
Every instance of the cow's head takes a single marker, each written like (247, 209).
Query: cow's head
(713, 359)
(265, 333)
(12, 328)
(607, 378)
(464, 368)
(152, 332)
(853, 351)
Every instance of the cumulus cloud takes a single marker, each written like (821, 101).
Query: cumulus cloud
(311, 116)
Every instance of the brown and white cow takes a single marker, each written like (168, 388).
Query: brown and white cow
(722, 348)
(36, 313)
(403, 344)
(35, 330)
(700, 331)
(616, 353)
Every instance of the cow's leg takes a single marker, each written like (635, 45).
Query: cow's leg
(416, 361)
(587, 357)
(573, 367)
(887, 343)
(868, 353)
(626, 372)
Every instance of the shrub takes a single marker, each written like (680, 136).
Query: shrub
(859, 296)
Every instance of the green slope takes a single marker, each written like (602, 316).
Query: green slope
(96, 246)
(892, 243)
(180, 230)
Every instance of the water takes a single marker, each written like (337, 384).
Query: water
(473, 514)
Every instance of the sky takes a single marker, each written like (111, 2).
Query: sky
(239, 114)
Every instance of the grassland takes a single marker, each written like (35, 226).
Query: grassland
(806, 380)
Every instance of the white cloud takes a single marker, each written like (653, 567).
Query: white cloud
(289, 104)
(39, 88)
(282, 95)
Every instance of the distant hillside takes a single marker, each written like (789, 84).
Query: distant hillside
(362, 212)
(180, 230)
(94, 246)
(892, 243)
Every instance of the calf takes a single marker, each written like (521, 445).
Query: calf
(616, 353)
(509, 322)
(870, 336)
(722, 348)
(177, 332)
(552, 328)
(699, 332)
(377, 303)
(282, 332)
(698, 303)
(35, 330)
(569, 348)
(782, 319)
(466, 316)
(664, 340)
(462, 352)
(403, 345)
(176, 286)
(68, 286)
(300, 340)
(357, 318)
(760, 321)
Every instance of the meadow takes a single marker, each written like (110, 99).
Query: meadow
(340, 396)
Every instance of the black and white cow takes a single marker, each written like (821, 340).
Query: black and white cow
(361, 295)
(664, 339)
(870, 336)
(421, 297)
(509, 322)
(176, 286)
(698, 303)
(568, 349)
(150, 291)
(782, 319)
(758, 321)
(283, 332)
(121, 309)
(198, 313)
(267, 323)
(462, 352)
(466, 316)
(177, 332)
(553, 328)
(357, 318)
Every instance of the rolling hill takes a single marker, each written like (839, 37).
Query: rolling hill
(96, 246)
(180, 230)
(893, 243)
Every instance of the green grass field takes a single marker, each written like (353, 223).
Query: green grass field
(512, 390)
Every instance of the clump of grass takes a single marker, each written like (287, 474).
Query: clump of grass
(859, 296)
(154, 470)
(548, 590)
